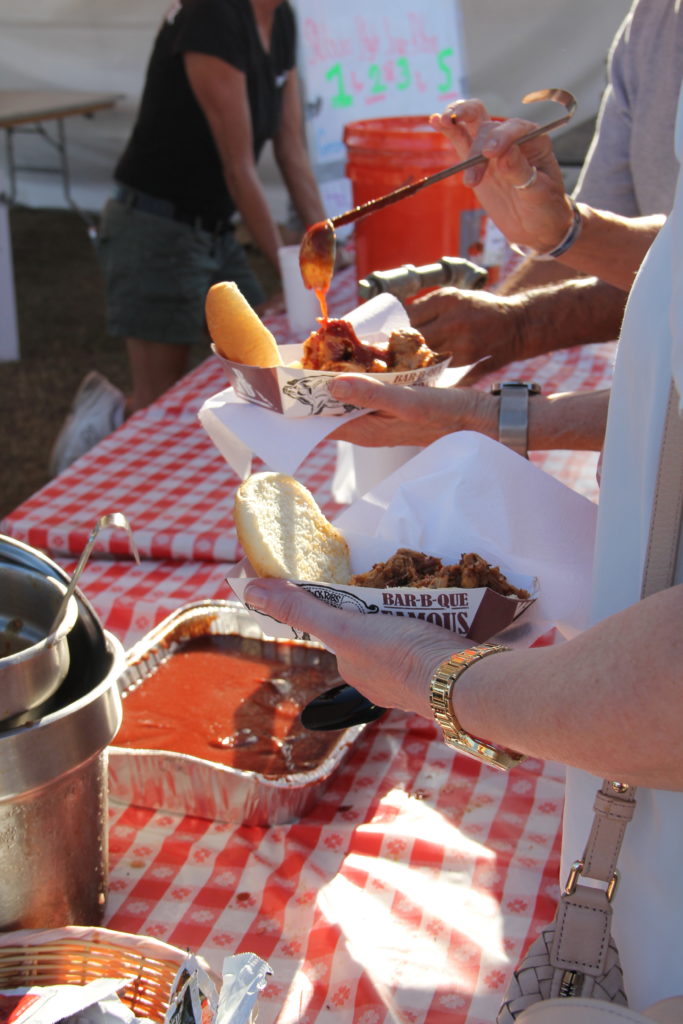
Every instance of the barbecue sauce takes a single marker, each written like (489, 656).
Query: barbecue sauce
(316, 260)
(321, 294)
(213, 701)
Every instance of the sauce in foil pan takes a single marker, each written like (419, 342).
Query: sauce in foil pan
(211, 720)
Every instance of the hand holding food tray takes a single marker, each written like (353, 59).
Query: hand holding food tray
(482, 499)
(292, 379)
(245, 420)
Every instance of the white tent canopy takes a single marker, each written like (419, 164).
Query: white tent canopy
(509, 47)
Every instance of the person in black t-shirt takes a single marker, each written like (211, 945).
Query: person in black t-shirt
(221, 81)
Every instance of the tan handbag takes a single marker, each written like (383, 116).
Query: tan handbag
(592, 1011)
(576, 956)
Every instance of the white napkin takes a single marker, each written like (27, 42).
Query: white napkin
(466, 493)
(240, 430)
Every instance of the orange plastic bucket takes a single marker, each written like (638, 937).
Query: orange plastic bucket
(441, 220)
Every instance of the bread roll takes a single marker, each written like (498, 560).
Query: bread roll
(284, 533)
(236, 330)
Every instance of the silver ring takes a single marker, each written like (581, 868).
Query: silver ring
(529, 182)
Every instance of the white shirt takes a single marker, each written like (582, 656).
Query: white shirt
(648, 906)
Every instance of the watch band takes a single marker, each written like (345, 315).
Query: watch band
(513, 415)
(441, 688)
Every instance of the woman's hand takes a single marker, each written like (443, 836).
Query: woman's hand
(389, 660)
(521, 187)
(410, 415)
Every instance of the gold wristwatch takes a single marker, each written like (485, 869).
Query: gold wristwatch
(441, 688)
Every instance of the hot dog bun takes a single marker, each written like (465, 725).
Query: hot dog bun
(284, 533)
(236, 330)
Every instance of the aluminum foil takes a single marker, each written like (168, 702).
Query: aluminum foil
(190, 785)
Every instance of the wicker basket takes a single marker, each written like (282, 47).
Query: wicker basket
(75, 956)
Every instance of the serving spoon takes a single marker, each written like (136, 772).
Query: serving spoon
(319, 245)
(116, 519)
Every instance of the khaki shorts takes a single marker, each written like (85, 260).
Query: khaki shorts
(157, 272)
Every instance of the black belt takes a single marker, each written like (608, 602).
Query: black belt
(165, 208)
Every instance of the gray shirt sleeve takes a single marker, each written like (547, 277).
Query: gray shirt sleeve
(606, 181)
(631, 167)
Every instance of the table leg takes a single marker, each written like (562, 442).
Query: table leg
(58, 141)
(9, 331)
(60, 145)
(11, 167)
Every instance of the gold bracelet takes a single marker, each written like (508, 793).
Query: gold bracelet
(441, 688)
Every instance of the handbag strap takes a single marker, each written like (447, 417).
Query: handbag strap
(665, 525)
(581, 937)
(614, 804)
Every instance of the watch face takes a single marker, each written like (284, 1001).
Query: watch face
(532, 386)
(441, 687)
(486, 753)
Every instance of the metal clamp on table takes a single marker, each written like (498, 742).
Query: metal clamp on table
(408, 280)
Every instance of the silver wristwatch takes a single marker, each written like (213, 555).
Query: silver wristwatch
(513, 417)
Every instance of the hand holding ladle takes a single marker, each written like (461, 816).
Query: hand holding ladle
(318, 250)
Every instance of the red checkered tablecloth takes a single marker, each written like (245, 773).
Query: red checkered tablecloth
(411, 889)
(405, 895)
(163, 472)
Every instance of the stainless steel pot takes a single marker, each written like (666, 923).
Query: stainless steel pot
(53, 778)
(53, 808)
(15, 552)
(33, 660)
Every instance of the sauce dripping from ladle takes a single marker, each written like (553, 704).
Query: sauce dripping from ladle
(316, 260)
(319, 245)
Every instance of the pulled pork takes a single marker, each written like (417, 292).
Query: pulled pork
(337, 347)
(409, 568)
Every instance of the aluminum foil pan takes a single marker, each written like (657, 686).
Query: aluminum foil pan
(190, 785)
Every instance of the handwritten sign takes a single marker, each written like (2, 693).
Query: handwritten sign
(382, 58)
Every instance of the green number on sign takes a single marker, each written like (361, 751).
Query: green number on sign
(343, 98)
(404, 73)
(442, 58)
(376, 78)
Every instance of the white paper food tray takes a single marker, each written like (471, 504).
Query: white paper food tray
(299, 393)
(474, 612)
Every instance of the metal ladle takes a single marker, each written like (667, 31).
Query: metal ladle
(318, 247)
(111, 519)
